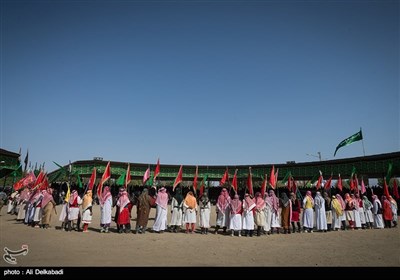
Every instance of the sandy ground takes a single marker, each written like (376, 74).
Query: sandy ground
(53, 247)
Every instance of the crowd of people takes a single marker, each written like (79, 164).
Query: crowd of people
(252, 215)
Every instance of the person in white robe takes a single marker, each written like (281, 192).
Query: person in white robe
(367, 206)
(248, 216)
(377, 211)
(343, 216)
(275, 215)
(190, 210)
(87, 210)
(74, 211)
(267, 213)
(337, 212)
(37, 216)
(320, 217)
(308, 214)
(361, 211)
(393, 206)
(176, 210)
(205, 213)
(160, 223)
(105, 209)
(259, 213)
(235, 224)
(357, 217)
(223, 210)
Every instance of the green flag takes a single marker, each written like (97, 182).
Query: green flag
(150, 181)
(389, 172)
(286, 178)
(121, 179)
(353, 138)
(79, 180)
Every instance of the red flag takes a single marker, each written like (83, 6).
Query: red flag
(178, 178)
(201, 188)
(289, 183)
(224, 178)
(146, 175)
(44, 184)
(395, 189)
(234, 182)
(363, 189)
(195, 180)
(339, 184)
(128, 176)
(319, 182)
(385, 188)
(328, 184)
(272, 178)
(92, 179)
(294, 187)
(19, 184)
(106, 175)
(264, 186)
(250, 182)
(39, 179)
(157, 170)
(353, 183)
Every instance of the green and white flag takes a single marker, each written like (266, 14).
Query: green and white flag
(353, 138)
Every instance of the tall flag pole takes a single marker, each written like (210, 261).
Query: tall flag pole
(340, 184)
(395, 189)
(319, 182)
(225, 178)
(178, 178)
(389, 172)
(92, 179)
(195, 180)
(272, 178)
(349, 140)
(146, 175)
(328, 184)
(128, 176)
(202, 185)
(26, 160)
(250, 182)
(234, 182)
(157, 170)
(264, 186)
(106, 175)
(385, 189)
(363, 189)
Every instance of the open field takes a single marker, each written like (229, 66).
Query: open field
(53, 247)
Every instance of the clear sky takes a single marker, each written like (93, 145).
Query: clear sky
(198, 82)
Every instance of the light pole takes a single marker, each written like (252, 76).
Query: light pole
(319, 156)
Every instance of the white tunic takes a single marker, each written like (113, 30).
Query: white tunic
(235, 222)
(248, 217)
(223, 217)
(86, 216)
(378, 220)
(105, 212)
(205, 215)
(320, 216)
(268, 217)
(160, 222)
(73, 212)
(176, 209)
(190, 215)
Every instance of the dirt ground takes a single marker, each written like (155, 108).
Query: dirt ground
(54, 247)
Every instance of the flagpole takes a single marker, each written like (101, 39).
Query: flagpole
(362, 141)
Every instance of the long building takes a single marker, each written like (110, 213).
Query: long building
(369, 167)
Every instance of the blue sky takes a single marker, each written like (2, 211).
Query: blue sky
(198, 82)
